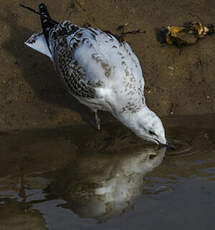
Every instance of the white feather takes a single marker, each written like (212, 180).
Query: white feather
(38, 42)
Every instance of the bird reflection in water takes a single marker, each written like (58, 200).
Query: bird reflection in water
(103, 186)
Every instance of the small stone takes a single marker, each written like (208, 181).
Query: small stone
(171, 68)
(206, 136)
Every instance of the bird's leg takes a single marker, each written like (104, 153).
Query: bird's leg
(98, 121)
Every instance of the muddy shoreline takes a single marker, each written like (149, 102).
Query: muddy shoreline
(31, 94)
(58, 172)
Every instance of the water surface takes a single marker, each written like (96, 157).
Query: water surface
(77, 178)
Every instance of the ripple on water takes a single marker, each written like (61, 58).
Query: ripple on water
(77, 174)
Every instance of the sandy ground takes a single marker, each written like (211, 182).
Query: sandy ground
(31, 95)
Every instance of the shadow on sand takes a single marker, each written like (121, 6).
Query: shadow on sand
(37, 70)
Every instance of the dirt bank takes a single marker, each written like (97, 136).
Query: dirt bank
(31, 95)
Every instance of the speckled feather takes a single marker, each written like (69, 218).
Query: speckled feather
(101, 71)
(98, 69)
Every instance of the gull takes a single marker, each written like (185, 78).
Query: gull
(99, 70)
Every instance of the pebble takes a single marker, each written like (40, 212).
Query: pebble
(171, 68)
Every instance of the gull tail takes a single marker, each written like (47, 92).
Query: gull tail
(40, 41)
(46, 21)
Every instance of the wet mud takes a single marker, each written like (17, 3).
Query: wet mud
(31, 94)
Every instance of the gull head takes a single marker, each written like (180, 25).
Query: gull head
(146, 125)
(149, 127)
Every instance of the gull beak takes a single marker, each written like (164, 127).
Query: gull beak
(167, 146)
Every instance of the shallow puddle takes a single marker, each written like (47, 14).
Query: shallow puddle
(77, 178)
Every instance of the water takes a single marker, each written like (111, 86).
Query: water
(78, 178)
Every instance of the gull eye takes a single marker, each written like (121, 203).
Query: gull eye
(152, 133)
